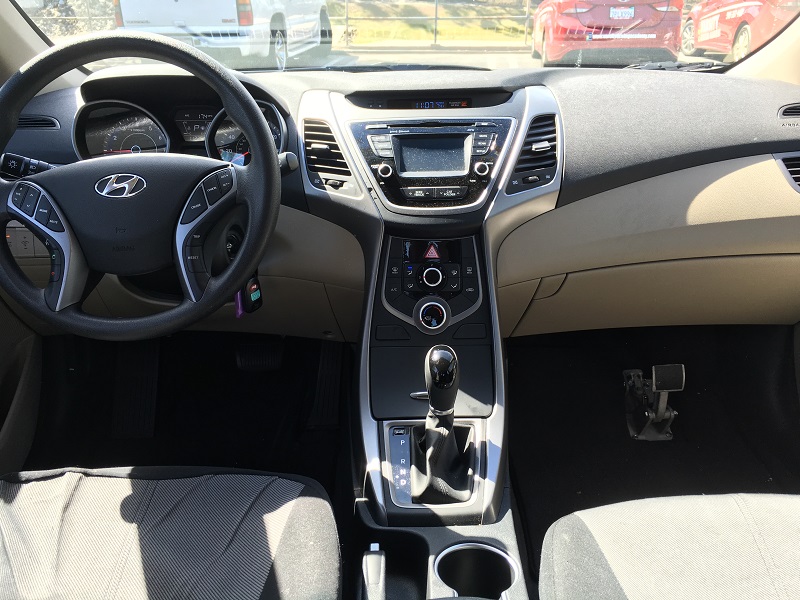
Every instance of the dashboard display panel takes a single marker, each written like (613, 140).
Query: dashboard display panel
(432, 155)
(193, 123)
(428, 103)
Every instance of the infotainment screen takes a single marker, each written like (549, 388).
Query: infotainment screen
(432, 155)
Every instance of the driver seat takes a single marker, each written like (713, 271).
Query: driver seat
(163, 532)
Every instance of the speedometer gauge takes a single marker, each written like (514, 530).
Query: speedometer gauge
(134, 134)
(225, 140)
(110, 127)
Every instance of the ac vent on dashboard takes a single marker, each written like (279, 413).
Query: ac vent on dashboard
(793, 110)
(37, 122)
(792, 166)
(538, 159)
(327, 167)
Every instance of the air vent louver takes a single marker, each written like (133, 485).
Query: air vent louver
(37, 122)
(324, 159)
(538, 159)
(793, 110)
(792, 165)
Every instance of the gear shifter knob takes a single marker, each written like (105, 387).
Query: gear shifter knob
(441, 379)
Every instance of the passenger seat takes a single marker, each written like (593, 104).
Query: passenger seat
(726, 547)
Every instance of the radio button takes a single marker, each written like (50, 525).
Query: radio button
(417, 193)
(455, 192)
(484, 136)
(385, 170)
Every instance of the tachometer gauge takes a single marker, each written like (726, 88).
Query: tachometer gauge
(225, 140)
(134, 134)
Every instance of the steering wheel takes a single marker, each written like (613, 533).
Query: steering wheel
(139, 213)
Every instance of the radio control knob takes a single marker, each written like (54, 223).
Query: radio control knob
(432, 277)
(481, 169)
(385, 170)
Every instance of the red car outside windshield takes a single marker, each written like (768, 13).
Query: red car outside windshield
(618, 32)
(735, 27)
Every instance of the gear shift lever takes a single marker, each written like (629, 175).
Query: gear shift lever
(442, 455)
(441, 379)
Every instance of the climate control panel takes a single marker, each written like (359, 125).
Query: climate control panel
(431, 282)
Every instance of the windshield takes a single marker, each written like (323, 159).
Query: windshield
(488, 34)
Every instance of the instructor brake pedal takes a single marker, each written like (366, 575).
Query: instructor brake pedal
(649, 416)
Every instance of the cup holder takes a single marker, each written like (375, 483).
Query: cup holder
(476, 570)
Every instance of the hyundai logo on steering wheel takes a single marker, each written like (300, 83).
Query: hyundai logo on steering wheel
(123, 185)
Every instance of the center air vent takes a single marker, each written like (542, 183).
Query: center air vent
(793, 110)
(327, 168)
(538, 159)
(792, 166)
(37, 122)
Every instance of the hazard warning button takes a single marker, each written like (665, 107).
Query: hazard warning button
(432, 253)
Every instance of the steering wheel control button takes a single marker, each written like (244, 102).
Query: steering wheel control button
(194, 259)
(196, 207)
(432, 277)
(212, 189)
(195, 239)
(43, 211)
(225, 179)
(55, 272)
(30, 201)
(54, 222)
(432, 315)
(18, 195)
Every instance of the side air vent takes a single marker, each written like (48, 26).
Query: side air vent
(37, 122)
(538, 159)
(793, 110)
(792, 165)
(326, 165)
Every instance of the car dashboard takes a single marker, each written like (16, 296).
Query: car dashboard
(644, 182)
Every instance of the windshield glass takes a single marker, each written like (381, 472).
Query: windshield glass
(355, 34)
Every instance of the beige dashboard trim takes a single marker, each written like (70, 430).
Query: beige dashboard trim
(737, 207)
(707, 291)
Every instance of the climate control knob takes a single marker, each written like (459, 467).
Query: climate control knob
(481, 169)
(432, 316)
(385, 171)
(432, 277)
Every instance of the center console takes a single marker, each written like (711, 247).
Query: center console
(434, 500)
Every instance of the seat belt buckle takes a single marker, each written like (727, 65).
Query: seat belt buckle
(649, 415)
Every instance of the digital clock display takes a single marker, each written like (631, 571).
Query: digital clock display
(429, 103)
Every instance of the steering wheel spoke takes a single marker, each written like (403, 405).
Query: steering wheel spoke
(209, 200)
(35, 208)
